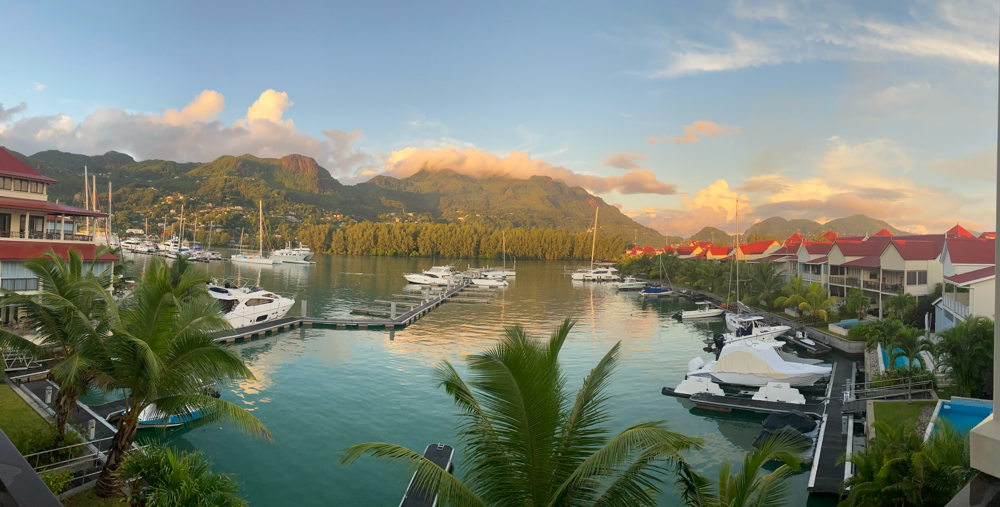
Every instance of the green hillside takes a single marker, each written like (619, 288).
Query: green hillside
(716, 236)
(780, 229)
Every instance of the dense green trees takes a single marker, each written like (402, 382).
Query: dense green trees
(457, 241)
(160, 476)
(965, 352)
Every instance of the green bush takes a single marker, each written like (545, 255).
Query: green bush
(45, 438)
(57, 480)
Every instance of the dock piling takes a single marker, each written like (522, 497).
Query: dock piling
(392, 310)
(303, 308)
(48, 395)
(91, 429)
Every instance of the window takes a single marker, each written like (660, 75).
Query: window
(21, 185)
(37, 188)
(916, 278)
(32, 186)
(7, 184)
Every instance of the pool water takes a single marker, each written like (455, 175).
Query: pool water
(900, 361)
(965, 414)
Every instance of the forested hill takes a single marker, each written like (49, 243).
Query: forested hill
(296, 186)
(538, 201)
(779, 228)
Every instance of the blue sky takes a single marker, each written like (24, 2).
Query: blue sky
(801, 109)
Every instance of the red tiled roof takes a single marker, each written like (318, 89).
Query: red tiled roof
(972, 276)
(757, 247)
(786, 250)
(872, 261)
(24, 250)
(850, 237)
(988, 235)
(856, 248)
(818, 247)
(971, 251)
(883, 232)
(13, 167)
(794, 239)
(46, 207)
(649, 250)
(819, 260)
(703, 244)
(914, 250)
(830, 235)
(669, 250)
(686, 250)
(958, 232)
(718, 250)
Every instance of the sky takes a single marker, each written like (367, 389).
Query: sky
(673, 111)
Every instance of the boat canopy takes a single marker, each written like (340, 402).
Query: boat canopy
(762, 362)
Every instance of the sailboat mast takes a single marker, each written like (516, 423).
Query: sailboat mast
(108, 232)
(736, 256)
(86, 198)
(593, 245)
(261, 233)
(211, 225)
(503, 234)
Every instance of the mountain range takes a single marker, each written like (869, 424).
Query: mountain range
(295, 185)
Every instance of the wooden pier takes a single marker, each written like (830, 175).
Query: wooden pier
(418, 306)
(826, 475)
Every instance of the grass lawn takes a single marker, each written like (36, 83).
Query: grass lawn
(896, 412)
(17, 419)
(945, 393)
(89, 499)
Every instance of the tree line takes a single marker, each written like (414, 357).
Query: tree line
(459, 241)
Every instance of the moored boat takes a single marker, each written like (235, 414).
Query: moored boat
(705, 310)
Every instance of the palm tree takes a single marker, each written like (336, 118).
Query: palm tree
(908, 343)
(856, 303)
(689, 271)
(792, 294)
(899, 468)
(765, 283)
(900, 304)
(173, 478)
(66, 315)
(748, 487)
(818, 301)
(530, 442)
(965, 352)
(161, 353)
(712, 276)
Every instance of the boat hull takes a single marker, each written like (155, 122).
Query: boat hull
(252, 259)
(702, 314)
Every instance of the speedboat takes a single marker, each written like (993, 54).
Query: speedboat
(753, 327)
(245, 306)
(579, 274)
(489, 282)
(656, 291)
(755, 365)
(602, 275)
(630, 283)
(437, 275)
(704, 310)
(299, 255)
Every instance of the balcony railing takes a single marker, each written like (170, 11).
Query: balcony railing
(838, 280)
(955, 307)
(51, 236)
(885, 288)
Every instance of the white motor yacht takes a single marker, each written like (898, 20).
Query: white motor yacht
(131, 245)
(489, 282)
(213, 255)
(630, 283)
(755, 365)
(437, 275)
(579, 274)
(298, 255)
(602, 275)
(705, 310)
(245, 306)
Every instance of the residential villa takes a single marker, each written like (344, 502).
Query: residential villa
(31, 226)
(969, 269)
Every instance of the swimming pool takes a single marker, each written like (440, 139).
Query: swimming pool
(900, 361)
(963, 413)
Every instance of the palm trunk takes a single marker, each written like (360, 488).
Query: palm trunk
(65, 402)
(109, 483)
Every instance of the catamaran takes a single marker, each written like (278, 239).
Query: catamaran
(257, 258)
(298, 255)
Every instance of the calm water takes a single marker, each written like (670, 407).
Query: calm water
(320, 390)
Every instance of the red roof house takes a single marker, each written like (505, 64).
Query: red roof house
(883, 232)
(958, 232)
(830, 235)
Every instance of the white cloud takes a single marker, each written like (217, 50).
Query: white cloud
(38, 87)
(192, 133)
(771, 33)
(702, 128)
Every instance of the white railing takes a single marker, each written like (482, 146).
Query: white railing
(955, 307)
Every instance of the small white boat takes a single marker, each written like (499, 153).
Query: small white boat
(213, 255)
(656, 292)
(257, 258)
(245, 306)
(704, 310)
(630, 283)
(489, 282)
(579, 274)
(755, 366)
(602, 275)
(437, 275)
(753, 328)
(298, 255)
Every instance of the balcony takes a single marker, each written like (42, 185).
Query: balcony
(885, 288)
(956, 307)
(50, 236)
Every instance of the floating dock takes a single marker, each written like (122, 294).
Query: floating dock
(826, 475)
(439, 454)
(717, 403)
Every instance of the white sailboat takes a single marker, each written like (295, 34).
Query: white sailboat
(257, 258)
(501, 272)
(581, 274)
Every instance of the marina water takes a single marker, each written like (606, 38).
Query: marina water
(320, 390)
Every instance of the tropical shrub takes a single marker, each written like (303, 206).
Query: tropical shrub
(176, 479)
(965, 353)
(57, 480)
